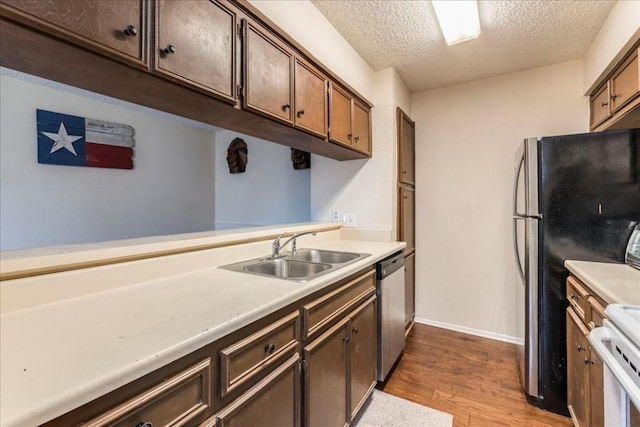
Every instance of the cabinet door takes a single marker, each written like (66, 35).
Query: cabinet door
(361, 128)
(268, 71)
(406, 149)
(325, 380)
(409, 289)
(406, 227)
(274, 401)
(577, 370)
(600, 106)
(363, 356)
(596, 378)
(339, 116)
(196, 45)
(310, 99)
(625, 84)
(116, 28)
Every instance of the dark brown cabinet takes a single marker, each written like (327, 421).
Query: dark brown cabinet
(115, 28)
(325, 379)
(268, 74)
(409, 289)
(310, 99)
(406, 149)
(577, 370)
(349, 120)
(406, 229)
(196, 45)
(362, 346)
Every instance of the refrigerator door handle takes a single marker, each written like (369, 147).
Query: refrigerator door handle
(515, 247)
(516, 179)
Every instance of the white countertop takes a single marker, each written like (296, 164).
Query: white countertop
(615, 283)
(67, 338)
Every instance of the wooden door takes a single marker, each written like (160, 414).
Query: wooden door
(409, 289)
(406, 229)
(325, 379)
(310, 99)
(339, 115)
(577, 370)
(196, 45)
(596, 378)
(274, 401)
(406, 149)
(268, 71)
(116, 28)
(363, 356)
(361, 128)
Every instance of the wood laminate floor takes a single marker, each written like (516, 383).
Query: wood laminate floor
(475, 379)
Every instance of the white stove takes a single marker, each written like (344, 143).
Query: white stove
(617, 343)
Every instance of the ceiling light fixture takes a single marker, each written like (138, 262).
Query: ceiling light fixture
(458, 19)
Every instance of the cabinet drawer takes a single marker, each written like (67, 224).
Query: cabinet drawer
(246, 359)
(600, 106)
(595, 314)
(624, 84)
(324, 310)
(577, 296)
(177, 401)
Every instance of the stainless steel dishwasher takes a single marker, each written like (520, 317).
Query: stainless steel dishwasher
(391, 317)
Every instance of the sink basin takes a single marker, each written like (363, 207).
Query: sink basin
(287, 268)
(329, 257)
(307, 264)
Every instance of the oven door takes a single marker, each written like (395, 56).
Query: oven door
(621, 359)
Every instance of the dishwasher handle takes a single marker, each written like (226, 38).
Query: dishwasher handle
(389, 265)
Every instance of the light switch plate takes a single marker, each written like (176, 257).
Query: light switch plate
(349, 220)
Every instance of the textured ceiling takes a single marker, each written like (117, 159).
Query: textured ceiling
(516, 35)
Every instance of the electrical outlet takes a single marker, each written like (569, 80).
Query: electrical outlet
(349, 220)
(335, 216)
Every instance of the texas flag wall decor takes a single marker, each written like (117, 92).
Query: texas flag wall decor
(77, 141)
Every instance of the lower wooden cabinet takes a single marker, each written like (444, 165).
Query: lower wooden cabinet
(340, 369)
(409, 290)
(585, 381)
(274, 401)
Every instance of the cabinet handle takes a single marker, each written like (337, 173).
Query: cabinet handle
(357, 138)
(345, 340)
(349, 136)
(572, 296)
(604, 104)
(300, 113)
(404, 172)
(285, 107)
(269, 348)
(355, 330)
(580, 348)
(147, 424)
(130, 31)
(588, 361)
(614, 96)
(170, 49)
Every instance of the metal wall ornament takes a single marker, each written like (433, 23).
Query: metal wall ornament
(237, 156)
(301, 159)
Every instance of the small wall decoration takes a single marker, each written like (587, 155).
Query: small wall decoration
(301, 159)
(77, 141)
(237, 156)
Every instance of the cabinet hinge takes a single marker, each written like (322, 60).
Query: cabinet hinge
(303, 365)
(239, 91)
(239, 29)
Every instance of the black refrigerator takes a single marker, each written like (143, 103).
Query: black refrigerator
(574, 197)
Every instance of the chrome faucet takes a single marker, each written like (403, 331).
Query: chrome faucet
(275, 253)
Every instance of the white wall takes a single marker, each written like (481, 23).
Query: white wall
(466, 137)
(270, 191)
(170, 189)
(618, 32)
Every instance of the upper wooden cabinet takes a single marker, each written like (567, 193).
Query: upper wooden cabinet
(310, 99)
(196, 45)
(268, 74)
(116, 28)
(349, 120)
(406, 149)
(615, 103)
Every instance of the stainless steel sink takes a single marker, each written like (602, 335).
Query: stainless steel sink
(307, 264)
(287, 269)
(329, 257)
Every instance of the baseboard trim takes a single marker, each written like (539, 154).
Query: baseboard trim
(470, 331)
